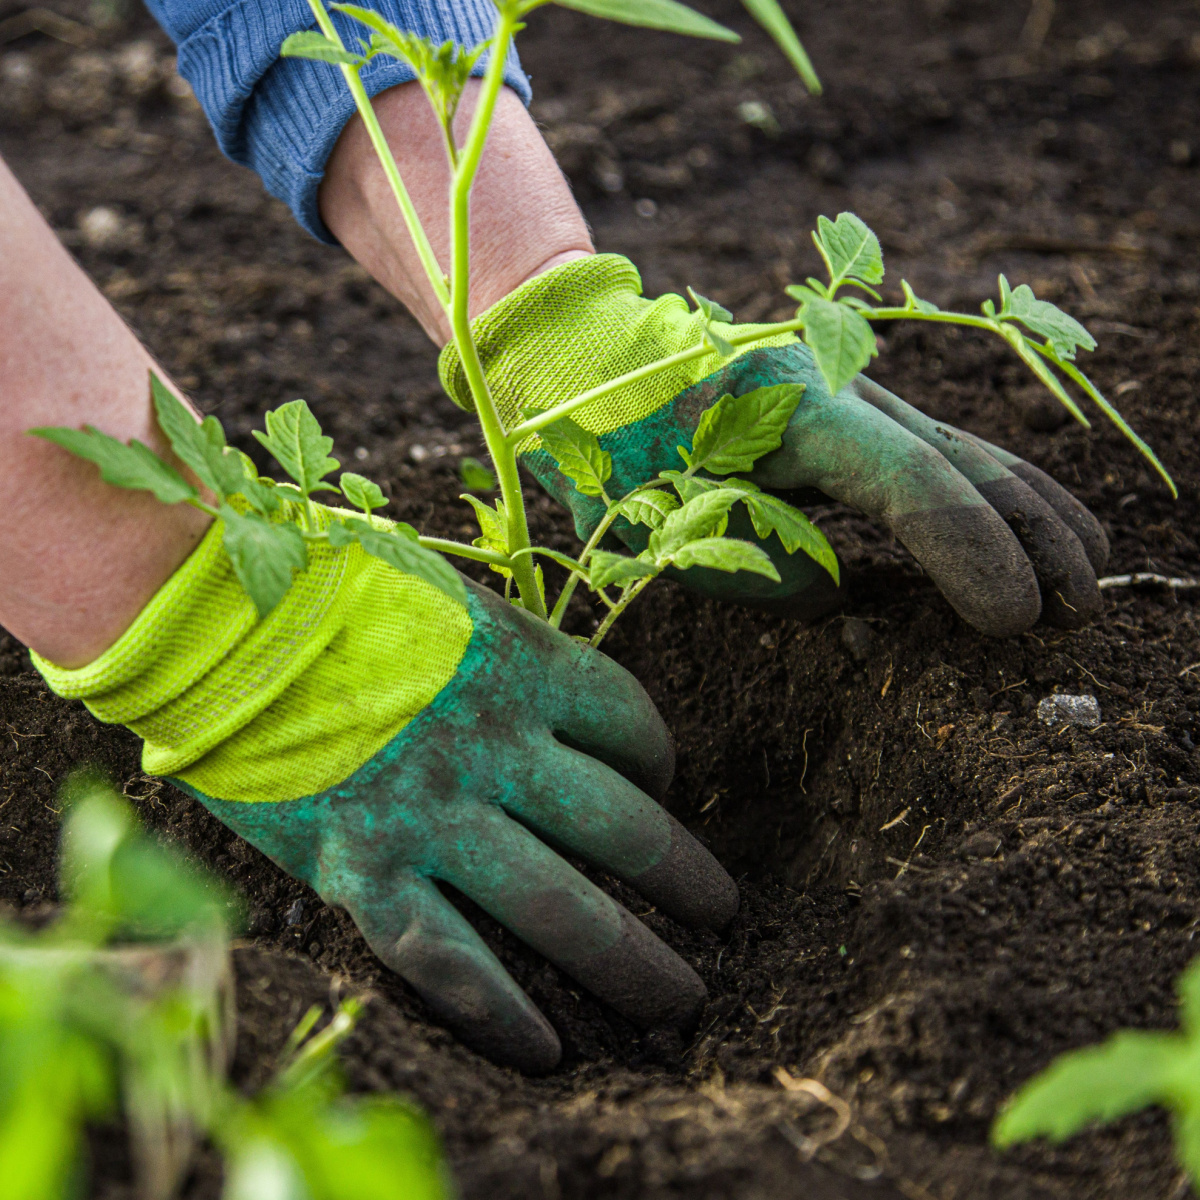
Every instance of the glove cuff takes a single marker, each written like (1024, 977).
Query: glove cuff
(578, 326)
(278, 708)
(570, 329)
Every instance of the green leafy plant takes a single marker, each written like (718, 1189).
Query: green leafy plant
(1129, 1072)
(123, 1004)
(269, 526)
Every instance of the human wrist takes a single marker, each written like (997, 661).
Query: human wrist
(523, 218)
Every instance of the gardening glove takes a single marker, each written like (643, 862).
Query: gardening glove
(1000, 538)
(374, 737)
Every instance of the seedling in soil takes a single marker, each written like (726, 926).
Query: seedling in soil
(123, 1005)
(1129, 1072)
(268, 526)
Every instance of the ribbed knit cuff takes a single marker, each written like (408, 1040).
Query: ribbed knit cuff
(281, 117)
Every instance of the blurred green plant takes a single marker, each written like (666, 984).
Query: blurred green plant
(123, 1005)
(1129, 1072)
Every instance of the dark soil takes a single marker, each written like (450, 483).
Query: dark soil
(940, 893)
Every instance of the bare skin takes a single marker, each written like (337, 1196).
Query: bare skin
(524, 219)
(80, 558)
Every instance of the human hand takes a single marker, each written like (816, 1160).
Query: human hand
(1003, 542)
(373, 737)
(536, 742)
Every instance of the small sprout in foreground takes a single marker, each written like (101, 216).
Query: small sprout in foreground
(475, 476)
(1129, 1072)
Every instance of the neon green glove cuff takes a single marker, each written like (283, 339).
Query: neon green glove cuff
(273, 709)
(578, 326)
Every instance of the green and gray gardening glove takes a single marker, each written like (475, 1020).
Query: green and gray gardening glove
(1003, 541)
(375, 737)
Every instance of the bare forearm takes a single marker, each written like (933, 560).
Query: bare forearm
(523, 217)
(80, 558)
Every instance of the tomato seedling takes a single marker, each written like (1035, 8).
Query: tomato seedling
(123, 1005)
(268, 526)
(1129, 1072)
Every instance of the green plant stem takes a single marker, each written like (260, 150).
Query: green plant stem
(564, 597)
(527, 428)
(445, 546)
(501, 448)
(617, 609)
(387, 160)
(563, 560)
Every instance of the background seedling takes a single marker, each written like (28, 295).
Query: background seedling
(124, 1004)
(1129, 1072)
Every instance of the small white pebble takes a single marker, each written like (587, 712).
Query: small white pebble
(101, 227)
(418, 453)
(1071, 710)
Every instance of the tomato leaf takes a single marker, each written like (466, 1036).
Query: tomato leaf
(738, 430)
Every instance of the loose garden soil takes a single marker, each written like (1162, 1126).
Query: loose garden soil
(940, 893)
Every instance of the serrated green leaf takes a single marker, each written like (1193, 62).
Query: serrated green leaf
(850, 249)
(263, 494)
(770, 515)
(128, 466)
(409, 556)
(654, 14)
(725, 554)
(578, 454)
(841, 340)
(199, 445)
(493, 524)
(263, 555)
(1063, 332)
(294, 439)
(702, 516)
(738, 430)
(475, 476)
(493, 527)
(710, 309)
(771, 17)
(648, 508)
(912, 300)
(310, 44)
(1098, 1083)
(361, 492)
(605, 569)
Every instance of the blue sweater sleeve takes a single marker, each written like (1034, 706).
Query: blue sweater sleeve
(281, 117)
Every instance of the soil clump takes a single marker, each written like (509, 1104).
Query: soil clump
(940, 891)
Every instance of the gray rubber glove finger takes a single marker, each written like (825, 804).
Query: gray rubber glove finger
(855, 453)
(599, 708)
(421, 936)
(592, 811)
(1075, 514)
(551, 907)
(1070, 596)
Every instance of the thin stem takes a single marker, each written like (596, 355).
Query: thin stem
(618, 609)
(606, 523)
(563, 560)
(413, 222)
(478, 553)
(527, 428)
(502, 450)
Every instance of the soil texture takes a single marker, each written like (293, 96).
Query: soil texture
(940, 892)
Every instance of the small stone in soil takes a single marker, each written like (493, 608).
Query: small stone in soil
(1071, 710)
(858, 638)
(295, 914)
